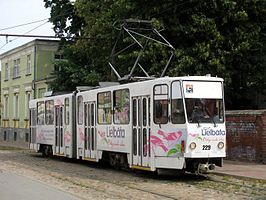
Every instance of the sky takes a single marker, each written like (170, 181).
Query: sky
(19, 12)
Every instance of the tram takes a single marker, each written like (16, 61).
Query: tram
(165, 123)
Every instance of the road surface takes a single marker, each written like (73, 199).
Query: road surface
(28, 175)
(14, 186)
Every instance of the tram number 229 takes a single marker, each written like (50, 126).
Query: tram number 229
(206, 147)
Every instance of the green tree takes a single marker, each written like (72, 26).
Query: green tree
(219, 37)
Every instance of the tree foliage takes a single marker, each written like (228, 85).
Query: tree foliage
(219, 37)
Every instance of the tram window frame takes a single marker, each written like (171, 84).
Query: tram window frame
(178, 111)
(134, 110)
(92, 109)
(135, 143)
(144, 112)
(40, 112)
(121, 106)
(49, 112)
(67, 111)
(161, 103)
(104, 107)
(80, 109)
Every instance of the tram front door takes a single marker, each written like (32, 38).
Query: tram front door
(141, 131)
(90, 131)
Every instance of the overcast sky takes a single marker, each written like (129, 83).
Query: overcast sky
(18, 12)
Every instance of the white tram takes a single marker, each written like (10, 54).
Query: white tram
(165, 123)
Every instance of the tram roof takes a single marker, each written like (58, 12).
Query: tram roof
(199, 78)
(159, 81)
(185, 78)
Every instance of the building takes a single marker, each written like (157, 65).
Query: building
(26, 73)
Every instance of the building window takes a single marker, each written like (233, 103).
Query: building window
(6, 106)
(28, 68)
(16, 107)
(6, 72)
(15, 136)
(27, 137)
(27, 100)
(58, 57)
(16, 68)
(5, 135)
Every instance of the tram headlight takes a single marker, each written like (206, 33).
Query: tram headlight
(220, 145)
(192, 145)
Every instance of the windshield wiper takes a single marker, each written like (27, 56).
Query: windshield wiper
(198, 121)
(214, 123)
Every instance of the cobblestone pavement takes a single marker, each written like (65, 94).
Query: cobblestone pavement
(94, 181)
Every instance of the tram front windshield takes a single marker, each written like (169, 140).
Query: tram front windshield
(204, 110)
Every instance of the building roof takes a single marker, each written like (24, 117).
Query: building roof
(29, 44)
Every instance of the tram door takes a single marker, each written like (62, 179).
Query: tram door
(90, 130)
(141, 131)
(59, 137)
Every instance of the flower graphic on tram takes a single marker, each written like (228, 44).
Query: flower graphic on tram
(195, 135)
(67, 137)
(40, 136)
(103, 136)
(167, 141)
(81, 136)
(170, 136)
(156, 141)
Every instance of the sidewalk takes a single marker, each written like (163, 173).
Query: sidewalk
(243, 169)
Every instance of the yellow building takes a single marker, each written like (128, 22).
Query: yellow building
(26, 73)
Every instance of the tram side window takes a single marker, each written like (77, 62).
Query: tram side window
(121, 106)
(67, 111)
(177, 111)
(49, 112)
(177, 106)
(80, 110)
(40, 113)
(104, 108)
(160, 104)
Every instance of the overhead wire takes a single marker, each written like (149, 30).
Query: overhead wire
(30, 30)
(29, 23)
(25, 24)
(3, 45)
(7, 42)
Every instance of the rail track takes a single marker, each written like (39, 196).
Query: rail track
(245, 187)
(242, 187)
(96, 181)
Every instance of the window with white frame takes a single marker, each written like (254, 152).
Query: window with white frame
(6, 107)
(16, 107)
(27, 100)
(6, 72)
(28, 68)
(16, 68)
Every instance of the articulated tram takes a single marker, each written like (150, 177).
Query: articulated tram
(165, 123)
